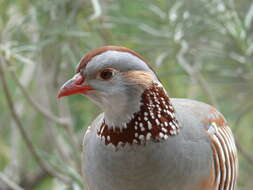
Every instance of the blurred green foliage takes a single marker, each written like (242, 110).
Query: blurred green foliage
(201, 49)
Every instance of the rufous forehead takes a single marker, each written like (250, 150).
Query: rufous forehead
(87, 58)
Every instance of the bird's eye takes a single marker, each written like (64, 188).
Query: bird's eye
(106, 74)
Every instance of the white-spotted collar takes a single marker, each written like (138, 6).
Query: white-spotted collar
(155, 121)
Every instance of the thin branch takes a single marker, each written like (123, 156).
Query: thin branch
(159, 12)
(194, 73)
(43, 165)
(247, 110)
(203, 83)
(31, 180)
(97, 10)
(160, 58)
(152, 31)
(247, 155)
(46, 113)
(66, 123)
(64, 112)
(244, 153)
(9, 182)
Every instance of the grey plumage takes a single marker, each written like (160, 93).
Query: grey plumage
(144, 139)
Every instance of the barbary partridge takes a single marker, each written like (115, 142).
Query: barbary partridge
(145, 140)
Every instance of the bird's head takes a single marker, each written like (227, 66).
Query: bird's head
(114, 78)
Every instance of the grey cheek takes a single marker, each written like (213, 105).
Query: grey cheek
(95, 84)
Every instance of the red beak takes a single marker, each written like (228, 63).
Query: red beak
(74, 86)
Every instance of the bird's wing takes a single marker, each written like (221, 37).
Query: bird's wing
(225, 163)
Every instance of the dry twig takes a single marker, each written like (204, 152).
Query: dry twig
(46, 113)
(97, 10)
(194, 73)
(43, 165)
(9, 182)
(66, 123)
(244, 153)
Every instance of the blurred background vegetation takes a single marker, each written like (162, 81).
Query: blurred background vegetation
(201, 49)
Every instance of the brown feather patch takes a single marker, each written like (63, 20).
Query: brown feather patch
(142, 78)
(216, 117)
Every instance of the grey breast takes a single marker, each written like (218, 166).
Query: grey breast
(180, 161)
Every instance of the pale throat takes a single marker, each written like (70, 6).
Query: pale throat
(152, 118)
(121, 109)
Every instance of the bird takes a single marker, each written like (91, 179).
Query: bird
(144, 139)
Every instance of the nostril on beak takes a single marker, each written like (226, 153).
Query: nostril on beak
(74, 86)
(78, 79)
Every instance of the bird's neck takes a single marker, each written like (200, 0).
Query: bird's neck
(155, 121)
